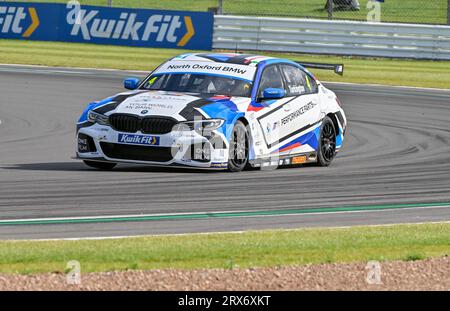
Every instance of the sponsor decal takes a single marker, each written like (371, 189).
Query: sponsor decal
(138, 139)
(275, 125)
(73, 22)
(233, 70)
(294, 115)
(202, 152)
(18, 20)
(171, 97)
(147, 106)
(220, 165)
(297, 89)
(83, 145)
(272, 127)
(134, 25)
(299, 160)
(208, 68)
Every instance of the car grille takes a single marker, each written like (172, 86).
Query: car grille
(147, 125)
(137, 153)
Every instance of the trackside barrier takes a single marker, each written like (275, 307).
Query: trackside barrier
(102, 25)
(332, 37)
(204, 31)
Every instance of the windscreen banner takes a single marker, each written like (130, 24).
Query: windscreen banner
(73, 22)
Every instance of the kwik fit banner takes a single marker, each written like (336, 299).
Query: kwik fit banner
(103, 25)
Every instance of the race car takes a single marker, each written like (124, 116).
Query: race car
(216, 111)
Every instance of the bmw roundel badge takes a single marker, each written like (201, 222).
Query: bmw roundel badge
(144, 111)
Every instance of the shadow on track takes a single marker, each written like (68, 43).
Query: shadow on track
(80, 167)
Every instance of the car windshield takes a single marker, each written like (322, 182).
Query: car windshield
(199, 83)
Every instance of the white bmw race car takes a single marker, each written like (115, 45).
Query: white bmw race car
(216, 111)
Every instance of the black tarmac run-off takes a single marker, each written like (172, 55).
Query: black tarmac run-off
(397, 151)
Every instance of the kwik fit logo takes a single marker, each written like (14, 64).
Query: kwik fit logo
(138, 139)
(89, 23)
(12, 20)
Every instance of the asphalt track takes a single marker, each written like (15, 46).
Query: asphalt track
(394, 163)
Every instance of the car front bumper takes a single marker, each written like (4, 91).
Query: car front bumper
(102, 143)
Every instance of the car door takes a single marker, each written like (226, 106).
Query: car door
(269, 118)
(303, 106)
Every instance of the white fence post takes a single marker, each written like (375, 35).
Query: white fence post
(220, 7)
(448, 12)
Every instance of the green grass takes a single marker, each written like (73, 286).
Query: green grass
(414, 257)
(434, 74)
(249, 249)
(415, 11)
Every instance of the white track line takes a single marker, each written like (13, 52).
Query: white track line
(72, 69)
(225, 232)
(391, 86)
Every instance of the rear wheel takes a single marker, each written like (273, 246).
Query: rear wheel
(238, 158)
(327, 143)
(100, 165)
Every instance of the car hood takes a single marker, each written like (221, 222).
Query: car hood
(180, 106)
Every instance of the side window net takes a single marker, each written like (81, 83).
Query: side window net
(271, 78)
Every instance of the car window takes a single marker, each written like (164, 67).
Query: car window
(271, 78)
(297, 81)
(199, 83)
(311, 84)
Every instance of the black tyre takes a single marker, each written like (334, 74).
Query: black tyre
(100, 165)
(239, 146)
(327, 143)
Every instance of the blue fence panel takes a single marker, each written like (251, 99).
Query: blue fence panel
(103, 25)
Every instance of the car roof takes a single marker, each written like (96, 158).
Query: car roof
(230, 58)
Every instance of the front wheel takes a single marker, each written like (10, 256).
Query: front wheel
(327, 143)
(100, 165)
(239, 146)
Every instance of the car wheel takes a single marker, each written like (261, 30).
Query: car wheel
(238, 158)
(327, 143)
(100, 165)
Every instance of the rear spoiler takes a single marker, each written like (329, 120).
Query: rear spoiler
(337, 68)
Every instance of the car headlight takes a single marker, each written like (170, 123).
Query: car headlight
(200, 125)
(98, 118)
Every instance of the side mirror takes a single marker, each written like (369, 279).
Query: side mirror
(131, 83)
(273, 93)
